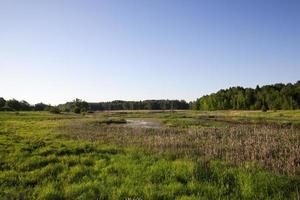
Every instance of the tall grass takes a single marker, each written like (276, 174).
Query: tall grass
(45, 156)
(272, 147)
(90, 170)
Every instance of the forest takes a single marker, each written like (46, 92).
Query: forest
(269, 97)
(79, 105)
(130, 105)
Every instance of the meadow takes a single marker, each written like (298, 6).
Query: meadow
(178, 155)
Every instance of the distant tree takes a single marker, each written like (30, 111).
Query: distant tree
(2, 102)
(77, 110)
(78, 106)
(277, 96)
(6, 108)
(264, 108)
(96, 106)
(241, 100)
(194, 105)
(25, 106)
(13, 104)
(40, 107)
(54, 110)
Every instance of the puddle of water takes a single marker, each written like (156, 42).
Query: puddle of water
(143, 123)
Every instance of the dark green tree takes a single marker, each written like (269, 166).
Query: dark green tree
(2, 102)
(40, 107)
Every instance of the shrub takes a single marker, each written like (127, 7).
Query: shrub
(77, 110)
(54, 110)
(264, 108)
(6, 108)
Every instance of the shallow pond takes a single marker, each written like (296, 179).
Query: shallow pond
(143, 123)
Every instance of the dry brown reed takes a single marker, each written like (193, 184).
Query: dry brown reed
(275, 148)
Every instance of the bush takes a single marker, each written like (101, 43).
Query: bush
(54, 110)
(77, 110)
(6, 108)
(264, 108)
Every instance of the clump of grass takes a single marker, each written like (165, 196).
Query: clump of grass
(35, 162)
(182, 171)
(160, 172)
(49, 191)
(85, 190)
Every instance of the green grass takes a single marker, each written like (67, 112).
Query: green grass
(39, 162)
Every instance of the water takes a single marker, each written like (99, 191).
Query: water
(142, 123)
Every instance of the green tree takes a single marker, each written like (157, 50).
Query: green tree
(13, 104)
(277, 96)
(2, 102)
(79, 106)
(40, 106)
(54, 110)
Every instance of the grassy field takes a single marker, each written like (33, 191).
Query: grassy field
(187, 155)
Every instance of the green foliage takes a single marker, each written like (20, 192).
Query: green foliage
(54, 110)
(77, 110)
(40, 107)
(2, 102)
(264, 108)
(14, 105)
(77, 106)
(274, 97)
(133, 105)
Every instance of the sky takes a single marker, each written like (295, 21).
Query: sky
(54, 51)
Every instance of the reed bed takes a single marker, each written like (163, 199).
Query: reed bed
(272, 147)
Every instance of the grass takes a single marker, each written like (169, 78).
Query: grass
(68, 156)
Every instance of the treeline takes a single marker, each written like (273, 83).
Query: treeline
(141, 105)
(79, 106)
(125, 105)
(15, 105)
(273, 97)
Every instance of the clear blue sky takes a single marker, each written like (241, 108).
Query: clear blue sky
(54, 51)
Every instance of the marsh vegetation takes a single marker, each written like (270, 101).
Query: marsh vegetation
(186, 155)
